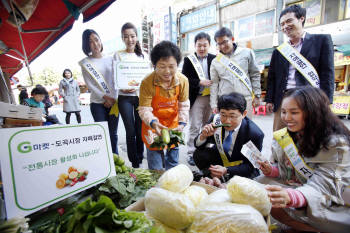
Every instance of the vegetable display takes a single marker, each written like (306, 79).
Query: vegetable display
(103, 216)
(168, 138)
(246, 191)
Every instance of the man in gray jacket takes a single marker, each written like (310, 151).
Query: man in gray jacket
(234, 70)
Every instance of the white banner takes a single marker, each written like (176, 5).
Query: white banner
(130, 74)
(43, 165)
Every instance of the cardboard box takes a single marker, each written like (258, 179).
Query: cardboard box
(20, 111)
(12, 123)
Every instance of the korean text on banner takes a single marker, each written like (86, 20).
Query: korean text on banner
(130, 74)
(43, 165)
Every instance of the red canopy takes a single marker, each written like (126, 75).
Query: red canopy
(47, 14)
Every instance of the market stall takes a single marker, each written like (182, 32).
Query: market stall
(341, 98)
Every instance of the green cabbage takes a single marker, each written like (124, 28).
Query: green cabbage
(176, 179)
(218, 196)
(173, 209)
(229, 218)
(196, 194)
(246, 191)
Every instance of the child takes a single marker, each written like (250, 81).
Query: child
(38, 95)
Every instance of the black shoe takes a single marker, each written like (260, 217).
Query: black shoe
(190, 161)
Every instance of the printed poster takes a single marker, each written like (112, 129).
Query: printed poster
(130, 74)
(43, 165)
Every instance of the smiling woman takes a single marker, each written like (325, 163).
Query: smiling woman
(164, 103)
(310, 178)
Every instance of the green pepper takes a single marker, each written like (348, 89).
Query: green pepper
(165, 136)
(221, 125)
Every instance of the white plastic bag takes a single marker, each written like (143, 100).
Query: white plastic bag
(246, 191)
(176, 179)
(173, 209)
(196, 194)
(229, 218)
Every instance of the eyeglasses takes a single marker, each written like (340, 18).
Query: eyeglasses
(225, 42)
(232, 117)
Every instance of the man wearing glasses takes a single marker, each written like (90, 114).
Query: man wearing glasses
(234, 70)
(219, 145)
(306, 59)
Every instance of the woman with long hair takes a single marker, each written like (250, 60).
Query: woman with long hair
(70, 91)
(128, 100)
(97, 70)
(309, 180)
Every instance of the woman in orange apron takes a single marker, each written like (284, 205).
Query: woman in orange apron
(164, 103)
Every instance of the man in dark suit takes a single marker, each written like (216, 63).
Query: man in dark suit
(196, 68)
(219, 148)
(316, 48)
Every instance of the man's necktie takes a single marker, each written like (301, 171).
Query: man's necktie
(227, 142)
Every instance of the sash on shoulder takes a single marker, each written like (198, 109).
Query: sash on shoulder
(300, 63)
(88, 66)
(199, 70)
(236, 70)
(288, 146)
(218, 140)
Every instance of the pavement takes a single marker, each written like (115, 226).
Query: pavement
(265, 123)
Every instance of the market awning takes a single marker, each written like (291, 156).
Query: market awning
(49, 21)
(263, 56)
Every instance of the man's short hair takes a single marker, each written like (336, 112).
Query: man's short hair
(224, 31)
(232, 101)
(202, 35)
(297, 10)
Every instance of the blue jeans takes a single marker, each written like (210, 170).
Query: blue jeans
(100, 113)
(128, 110)
(154, 159)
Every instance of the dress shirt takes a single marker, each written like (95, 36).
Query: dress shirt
(291, 83)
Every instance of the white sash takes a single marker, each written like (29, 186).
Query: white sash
(95, 74)
(300, 63)
(197, 66)
(199, 70)
(288, 146)
(237, 71)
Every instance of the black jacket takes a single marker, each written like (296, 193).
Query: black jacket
(189, 71)
(318, 50)
(248, 131)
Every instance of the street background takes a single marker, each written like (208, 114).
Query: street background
(265, 123)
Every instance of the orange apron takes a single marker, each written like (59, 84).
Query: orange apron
(167, 112)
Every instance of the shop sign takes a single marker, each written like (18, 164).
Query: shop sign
(246, 27)
(224, 3)
(313, 12)
(265, 23)
(340, 59)
(43, 165)
(132, 73)
(200, 18)
(341, 105)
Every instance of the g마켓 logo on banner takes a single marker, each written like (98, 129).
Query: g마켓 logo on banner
(24, 147)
